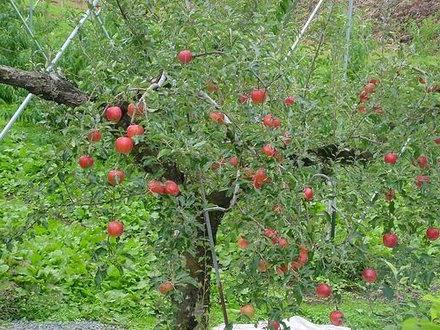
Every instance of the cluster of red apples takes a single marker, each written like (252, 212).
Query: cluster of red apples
(432, 233)
(365, 94)
(259, 178)
(124, 145)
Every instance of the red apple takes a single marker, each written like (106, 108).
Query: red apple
(242, 243)
(362, 108)
(369, 275)
(422, 161)
(432, 233)
(288, 101)
(282, 242)
(303, 257)
(374, 81)
(166, 287)
(185, 56)
(115, 177)
(390, 240)
(233, 161)
(247, 310)
(422, 180)
(156, 187)
(274, 325)
(390, 158)
(296, 265)
(243, 98)
(171, 188)
(212, 87)
(263, 266)
(115, 228)
(259, 178)
(258, 95)
(270, 232)
(94, 135)
(132, 109)
(134, 130)
(85, 161)
(363, 96)
(217, 117)
(281, 269)
(123, 145)
(336, 318)
(269, 150)
(276, 122)
(268, 120)
(323, 290)
(437, 140)
(216, 166)
(370, 88)
(389, 195)
(113, 114)
(308, 193)
(271, 121)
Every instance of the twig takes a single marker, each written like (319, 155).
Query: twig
(153, 87)
(214, 52)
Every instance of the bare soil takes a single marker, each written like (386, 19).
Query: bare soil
(400, 10)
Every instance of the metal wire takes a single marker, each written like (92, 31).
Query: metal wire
(304, 29)
(348, 36)
(28, 29)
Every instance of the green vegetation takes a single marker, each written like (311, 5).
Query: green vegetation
(56, 260)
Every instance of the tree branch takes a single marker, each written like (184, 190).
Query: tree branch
(48, 86)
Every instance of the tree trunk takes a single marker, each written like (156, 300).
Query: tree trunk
(48, 86)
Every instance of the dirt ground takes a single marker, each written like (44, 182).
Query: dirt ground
(76, 3)
(400, 9)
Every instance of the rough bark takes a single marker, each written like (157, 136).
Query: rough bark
(193, 312)
(47, 86)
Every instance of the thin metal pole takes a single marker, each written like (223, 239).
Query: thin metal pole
(29, 30)
(33, 7)
(48, 69)
(100, 22)
(304, 29)
(31, 15)
(70, 38)
(17, 113)
(348, 36)
(213, 253)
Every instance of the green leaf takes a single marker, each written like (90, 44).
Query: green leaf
(3, 268)
(388, 292)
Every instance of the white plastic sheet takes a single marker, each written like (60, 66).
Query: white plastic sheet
(294, 323)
